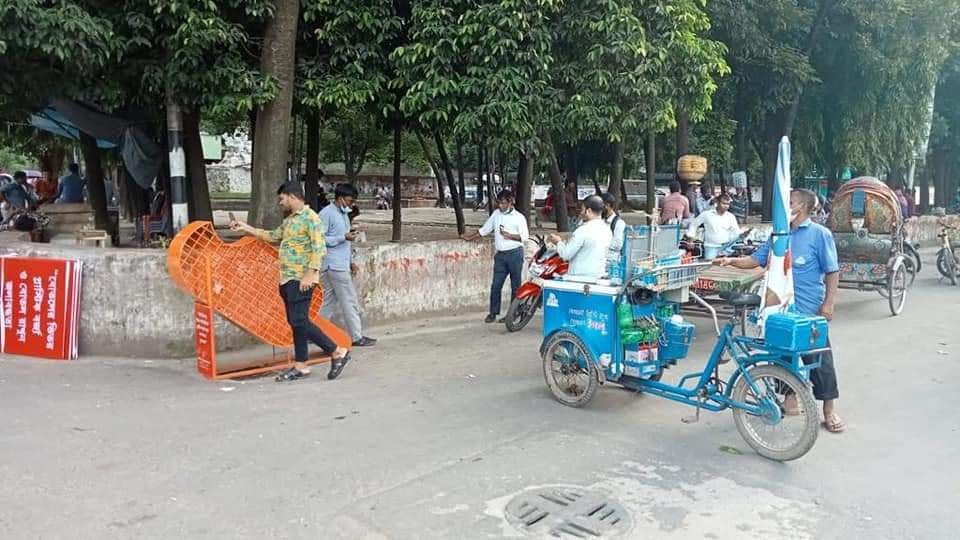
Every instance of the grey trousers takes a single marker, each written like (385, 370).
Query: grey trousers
(339, 295)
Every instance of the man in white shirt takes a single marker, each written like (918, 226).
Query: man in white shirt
(720, 227)
(588, 247)
(509, 229)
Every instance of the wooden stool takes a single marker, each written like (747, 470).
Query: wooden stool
(98, 237)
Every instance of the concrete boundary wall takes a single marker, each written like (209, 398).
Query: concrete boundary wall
(130, 307)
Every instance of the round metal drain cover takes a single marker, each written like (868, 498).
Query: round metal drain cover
(565, 512)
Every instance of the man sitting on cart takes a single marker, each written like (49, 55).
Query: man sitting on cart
(816, 280)
(587, 248)
(720, 227)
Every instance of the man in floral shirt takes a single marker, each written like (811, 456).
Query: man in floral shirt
(302, 248)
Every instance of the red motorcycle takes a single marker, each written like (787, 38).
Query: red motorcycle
(546, 264)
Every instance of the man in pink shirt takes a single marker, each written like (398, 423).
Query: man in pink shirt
(676, 206)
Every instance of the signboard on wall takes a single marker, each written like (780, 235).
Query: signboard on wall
(40, 307)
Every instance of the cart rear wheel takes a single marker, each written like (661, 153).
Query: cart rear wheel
(521, 312)
(569, 370)
(897, 283)
(774, 435)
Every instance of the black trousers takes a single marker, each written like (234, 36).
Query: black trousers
(297, 304)
(505, 263)
(824, 378)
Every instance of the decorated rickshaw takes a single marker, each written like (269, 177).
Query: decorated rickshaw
(871, 242)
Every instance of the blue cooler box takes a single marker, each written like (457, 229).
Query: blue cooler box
(675, 340)
(796, 332)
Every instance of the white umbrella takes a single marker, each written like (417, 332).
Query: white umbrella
(778, 284)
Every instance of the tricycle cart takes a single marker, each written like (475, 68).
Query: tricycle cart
(629, 334)
(868, 229)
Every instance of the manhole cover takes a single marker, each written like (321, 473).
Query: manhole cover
(565, 512)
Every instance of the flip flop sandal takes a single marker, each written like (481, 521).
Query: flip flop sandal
(837, 425)
(291, 374)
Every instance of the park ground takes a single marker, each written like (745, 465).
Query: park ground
(428, 435)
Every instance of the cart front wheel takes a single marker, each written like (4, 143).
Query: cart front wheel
(897, 284)
(789, 424)
(569, 370)
(521, 312)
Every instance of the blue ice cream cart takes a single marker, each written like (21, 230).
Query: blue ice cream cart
(628, 330)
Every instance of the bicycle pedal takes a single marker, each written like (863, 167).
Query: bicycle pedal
(692, 419)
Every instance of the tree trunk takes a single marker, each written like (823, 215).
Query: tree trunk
(273, 120)
(616, 176)
(556, 181)
(480, 173)
(460, 177)
(651, 155)
(397, 186)
(524, 184)
(437, 173)
(491, 187)
(683, 134)
(770, 165)
(311, 184)
(198, 190)
(938, 169)
(95, 187)
(570, 165)
(925, 191)
(457, 207)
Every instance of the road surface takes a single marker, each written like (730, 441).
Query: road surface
(429, 434)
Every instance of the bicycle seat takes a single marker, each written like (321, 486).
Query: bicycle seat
(739, 299)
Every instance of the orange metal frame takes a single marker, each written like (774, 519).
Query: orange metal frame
(240, 282)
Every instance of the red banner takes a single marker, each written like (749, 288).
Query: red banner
(40, 301)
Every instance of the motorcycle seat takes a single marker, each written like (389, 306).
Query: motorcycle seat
(740, 299)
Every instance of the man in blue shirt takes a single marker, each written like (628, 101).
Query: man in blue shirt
(71, 186)
(816, 280)
(338, 269)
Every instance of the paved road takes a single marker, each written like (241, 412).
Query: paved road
(429, 434)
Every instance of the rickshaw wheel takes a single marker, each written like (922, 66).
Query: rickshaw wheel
(759, 431)
(947, 267)
(569, 370)
(897, 283)
(914, 256)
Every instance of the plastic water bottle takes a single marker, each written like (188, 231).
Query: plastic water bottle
(615, 272)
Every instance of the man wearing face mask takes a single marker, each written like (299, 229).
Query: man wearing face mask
(338, 268)
(588, 247)
(816, 280)
(509, 229)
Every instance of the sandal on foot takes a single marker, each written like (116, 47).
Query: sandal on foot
(835, 424)
(337, 365)
(291, 374)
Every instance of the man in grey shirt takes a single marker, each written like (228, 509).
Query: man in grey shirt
(337, 278)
